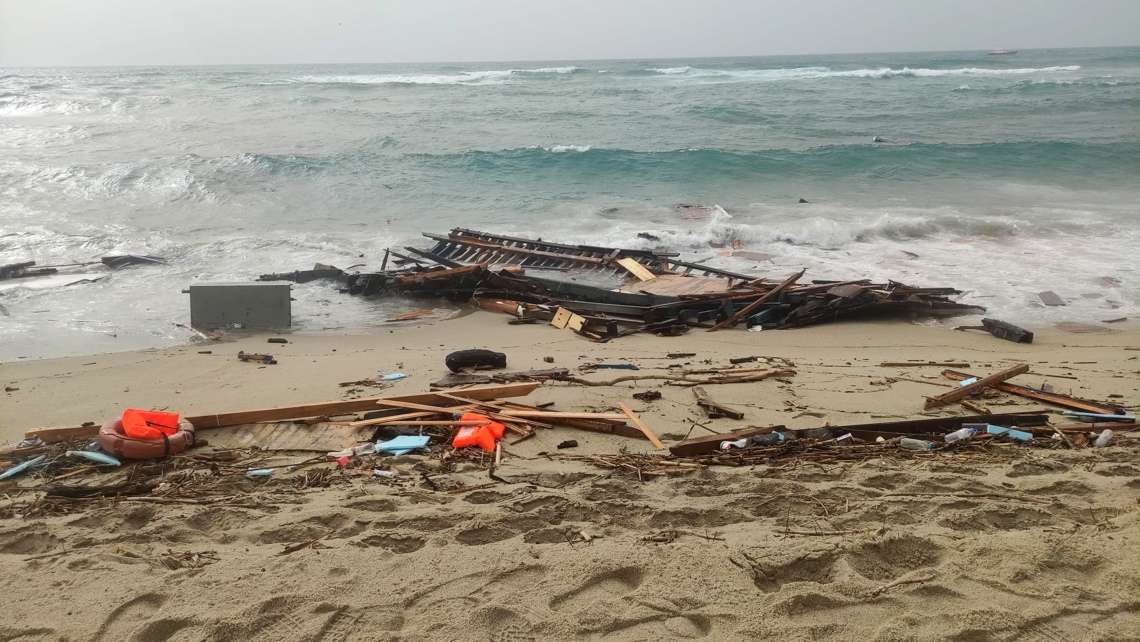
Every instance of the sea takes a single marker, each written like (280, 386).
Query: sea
(1003, 176)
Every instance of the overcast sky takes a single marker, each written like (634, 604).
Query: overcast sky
(157, 32)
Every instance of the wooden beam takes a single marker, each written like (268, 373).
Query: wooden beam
(965, 391)
(321, 409)
(1065, 401)
(637, 423)
(751, 307)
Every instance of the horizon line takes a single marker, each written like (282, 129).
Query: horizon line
(541, 60)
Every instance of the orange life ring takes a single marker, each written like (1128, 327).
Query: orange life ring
(113, 440)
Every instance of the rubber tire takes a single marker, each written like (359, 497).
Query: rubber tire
(458, 361)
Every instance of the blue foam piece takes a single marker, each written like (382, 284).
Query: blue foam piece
(403, 444)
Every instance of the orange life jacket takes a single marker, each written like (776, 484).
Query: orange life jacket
(149, 424)
(484, 436)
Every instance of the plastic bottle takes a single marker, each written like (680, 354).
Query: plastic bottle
(362, 449)
(962, 434)
(915, 444)
(1103, 439)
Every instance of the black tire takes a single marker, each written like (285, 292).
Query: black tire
(458, 361)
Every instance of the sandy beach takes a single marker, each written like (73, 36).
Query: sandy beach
(1012, 544)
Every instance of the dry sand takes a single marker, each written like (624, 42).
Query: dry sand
(1023, 545)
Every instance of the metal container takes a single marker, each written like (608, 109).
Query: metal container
(252, 306)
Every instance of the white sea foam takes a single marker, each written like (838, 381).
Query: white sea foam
(813, 73)
(558, 149)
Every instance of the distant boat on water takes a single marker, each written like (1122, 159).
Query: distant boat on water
(1002, 52)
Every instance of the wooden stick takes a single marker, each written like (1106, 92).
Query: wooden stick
(377, 421)
(546, 414)
(965, 391)
(637, 423)
(410, 405)
(916, 364)
(453, 422)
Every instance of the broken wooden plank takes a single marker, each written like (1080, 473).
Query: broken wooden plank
(752, 307)
(1050, 298)
(713, 409)
(973, 388)
(550, 414)
(706, 444)
(636, 269)
(637, 423)
(320, 409)
(1056, 399)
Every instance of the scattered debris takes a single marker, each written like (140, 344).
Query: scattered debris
(277, 340)
(1002, 330)
(255, 357)
(569, 443)
(648, 395)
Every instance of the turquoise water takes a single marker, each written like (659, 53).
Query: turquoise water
(1006, 175)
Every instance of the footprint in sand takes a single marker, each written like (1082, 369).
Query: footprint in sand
(130, 616)
(611, 584)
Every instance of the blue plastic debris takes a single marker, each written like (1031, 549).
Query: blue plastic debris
(97, 457)
(403, 444)
(394, 376)
(1016, 435)
(259, 472)
(21, 468)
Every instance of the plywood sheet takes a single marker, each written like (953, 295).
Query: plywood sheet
(676, 284)
(287, 435)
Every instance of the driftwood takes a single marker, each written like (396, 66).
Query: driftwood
(713, 409)
(686, 381)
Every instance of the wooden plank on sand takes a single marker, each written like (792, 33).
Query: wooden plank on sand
(1065, 401)
(976, 387)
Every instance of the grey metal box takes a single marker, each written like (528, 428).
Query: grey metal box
(260, 305)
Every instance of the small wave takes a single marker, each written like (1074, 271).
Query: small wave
(816, 73)
(551, 70)
(672, 71)
(868, 161)
(15, 105)
(486, 77)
